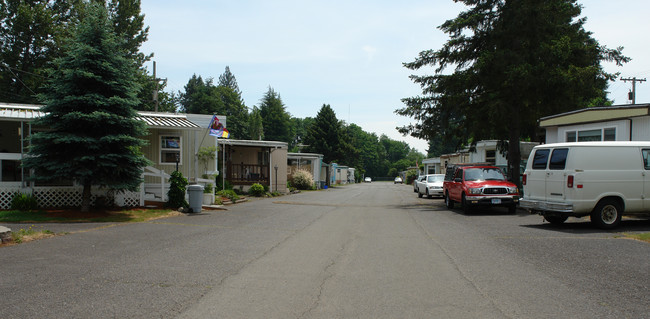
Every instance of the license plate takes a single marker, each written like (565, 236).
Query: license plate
(496, 201)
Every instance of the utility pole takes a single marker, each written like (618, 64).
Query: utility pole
(632, 94)
(157, 88)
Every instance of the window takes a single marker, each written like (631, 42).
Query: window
(558, 158)
(571, 136)
(10, 171)
(540, 159)
(490, 156)
(609, 134)
(170, 149)
(590, 135)
(262, 158)
(458, 174)
(645, 153)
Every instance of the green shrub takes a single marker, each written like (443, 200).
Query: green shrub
(229, 193)
(208, 188)
(302, 179)
(411, 175)
(221, 184)
(24, 202)
(256, 190)
(176, 194)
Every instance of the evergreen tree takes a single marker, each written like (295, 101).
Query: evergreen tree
(298, 131)
(255, 126)
(275, 118)
(515, 61)
(31, 35)
(199, 97)
(228, 80)
(235, 111)
(202, 97)
(325, 136)
(89, 100)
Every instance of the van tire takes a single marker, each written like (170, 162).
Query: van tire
(448, 201)
(556, 219)
(607, 214)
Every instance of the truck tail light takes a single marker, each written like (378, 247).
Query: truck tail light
(569, 181)
(523, 179)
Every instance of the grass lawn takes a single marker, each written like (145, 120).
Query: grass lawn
(76, 216)
(642, 236)
(43, 217)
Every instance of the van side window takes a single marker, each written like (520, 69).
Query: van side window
(646, 154)
(558, 158)
(540, 159)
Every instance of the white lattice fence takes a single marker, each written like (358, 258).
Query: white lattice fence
(127, 199)
(6, 195)
(59, 196)
(56, 197)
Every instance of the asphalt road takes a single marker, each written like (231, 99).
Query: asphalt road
(370, 250)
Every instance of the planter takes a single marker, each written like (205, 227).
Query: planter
(208, 199)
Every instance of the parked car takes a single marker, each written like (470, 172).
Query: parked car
(415, 182)
(479, 185)
(367, 180)
(431, 185)
(603, 180)
(398, 180)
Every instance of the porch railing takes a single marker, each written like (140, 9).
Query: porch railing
(247, 174)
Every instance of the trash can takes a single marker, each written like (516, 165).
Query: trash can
(195, 193)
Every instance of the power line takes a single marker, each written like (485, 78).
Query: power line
(632, 94)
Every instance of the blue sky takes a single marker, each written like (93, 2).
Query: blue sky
(347, 54)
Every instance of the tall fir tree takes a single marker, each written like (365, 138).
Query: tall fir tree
(92, 136)
(275, 118)
(514, 61)
(325, 136)
(255, 126)
(228, 80)
(31, 35)
(235, 109)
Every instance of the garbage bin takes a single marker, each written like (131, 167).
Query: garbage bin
(195, 193)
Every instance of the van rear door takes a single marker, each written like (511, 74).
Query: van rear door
(646, 178)
(556, 175)
(536, 175)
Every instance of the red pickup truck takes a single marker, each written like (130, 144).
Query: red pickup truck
(479, 185)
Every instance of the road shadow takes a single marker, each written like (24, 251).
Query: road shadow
(485, 211)
(584, 226)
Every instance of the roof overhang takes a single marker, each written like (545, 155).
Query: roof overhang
(166, 120)
(20, 112)
(595, 114)
(304, 155)
(159, 120)
(254, 143)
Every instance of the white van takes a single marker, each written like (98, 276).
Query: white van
(603, 180)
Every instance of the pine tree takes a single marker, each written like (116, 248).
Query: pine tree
(325, 136)
(275, 119)
(89, 99)
(228, 80)
(255, 127)
(514, 62)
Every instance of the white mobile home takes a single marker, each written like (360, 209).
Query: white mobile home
(608, 123)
